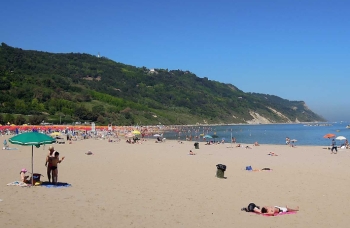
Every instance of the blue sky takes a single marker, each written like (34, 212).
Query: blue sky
(297, 50)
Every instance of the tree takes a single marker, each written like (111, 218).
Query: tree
(37, 119)
(99, 109)
(20, 119)
(4, 84)
(2, 120)
(9, 118)
(101, 119)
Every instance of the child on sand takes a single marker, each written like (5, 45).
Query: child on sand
(54, 162)
(24, 178)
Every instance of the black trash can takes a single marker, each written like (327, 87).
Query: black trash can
(196, 145)
(220, 172)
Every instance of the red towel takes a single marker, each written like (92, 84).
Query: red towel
(282, 213)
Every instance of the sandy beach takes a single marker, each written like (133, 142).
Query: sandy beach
(160, 185)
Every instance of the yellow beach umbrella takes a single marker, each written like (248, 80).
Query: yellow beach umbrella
(55, 133)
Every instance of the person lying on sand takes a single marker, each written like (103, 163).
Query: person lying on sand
(239, 145)
(191, 153)
(268, 210)
(263, 169)
(272, 154)
(247, 147)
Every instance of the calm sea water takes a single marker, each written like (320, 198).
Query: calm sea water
(266, 133)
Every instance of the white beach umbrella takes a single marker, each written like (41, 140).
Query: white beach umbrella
(340, 138)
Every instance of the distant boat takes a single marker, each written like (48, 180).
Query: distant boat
(348, 126)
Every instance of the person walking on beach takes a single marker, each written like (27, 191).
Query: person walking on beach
(334, 147)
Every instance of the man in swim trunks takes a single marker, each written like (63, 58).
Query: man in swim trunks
(268, 210)
(54, 162)
(48, 162)
(272, 210)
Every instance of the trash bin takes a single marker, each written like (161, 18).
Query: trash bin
(220, 172)
(196, 145)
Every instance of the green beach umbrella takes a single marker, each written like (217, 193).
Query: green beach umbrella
(32, 139)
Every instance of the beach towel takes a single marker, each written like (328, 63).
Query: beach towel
(58, 185)
(18, 183)
(277, 214)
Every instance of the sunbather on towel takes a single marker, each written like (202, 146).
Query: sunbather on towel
(268, 210)
(191, 153)
(272, 210)
(272, 154)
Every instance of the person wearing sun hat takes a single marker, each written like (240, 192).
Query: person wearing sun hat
(24, 178)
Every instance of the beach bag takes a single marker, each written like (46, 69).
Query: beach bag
(249, 168)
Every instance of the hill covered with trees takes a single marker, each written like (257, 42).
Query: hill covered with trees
(36, 86)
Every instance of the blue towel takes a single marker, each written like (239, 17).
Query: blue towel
(58, 185)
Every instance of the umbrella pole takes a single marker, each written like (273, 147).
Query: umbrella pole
(32, 168)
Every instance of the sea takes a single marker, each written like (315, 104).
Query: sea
(304, 133)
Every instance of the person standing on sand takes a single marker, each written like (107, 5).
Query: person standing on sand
(334, 147)
(233, 140)
(287, 141)
(48, 162)
(54, 162)
(346, 144)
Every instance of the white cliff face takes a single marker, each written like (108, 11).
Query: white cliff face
(257, 119)
(280, 115)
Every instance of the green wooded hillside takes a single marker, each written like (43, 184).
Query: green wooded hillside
(82, 87)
